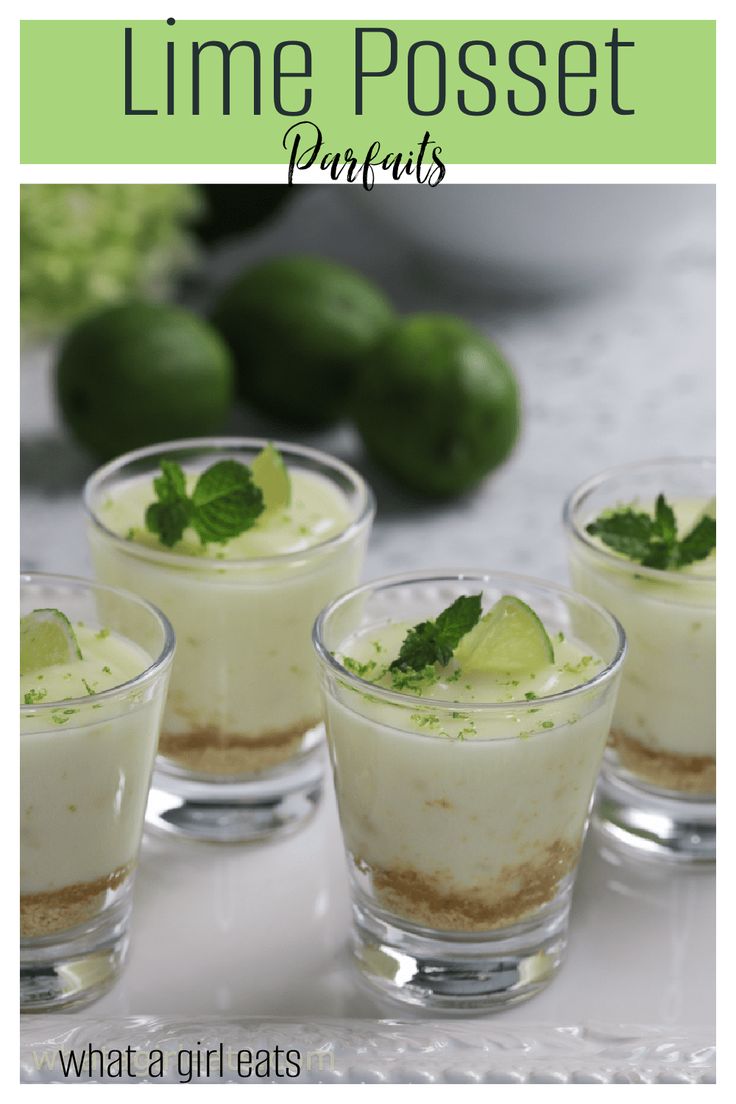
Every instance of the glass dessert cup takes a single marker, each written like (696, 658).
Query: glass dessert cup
(657, 789)
(462, 850)
(85, 771)
(241, 756)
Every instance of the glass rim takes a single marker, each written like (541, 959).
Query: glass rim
(365, 513)
(578, 496)
(395, 697)
(147, 675)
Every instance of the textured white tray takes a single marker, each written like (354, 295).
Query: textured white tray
(241, 945)
(246, 943)
(349, 1052)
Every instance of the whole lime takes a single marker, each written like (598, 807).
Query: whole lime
(437, 405)
(139, 373)
(297, 327)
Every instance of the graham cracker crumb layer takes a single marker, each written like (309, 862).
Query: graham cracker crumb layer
(435, 901)
(59, 910)
(686, 773)
(208, 750)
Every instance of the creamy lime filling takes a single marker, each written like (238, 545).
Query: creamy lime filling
(85, 765)
(108, 660)
(370, 652)
(317, 512)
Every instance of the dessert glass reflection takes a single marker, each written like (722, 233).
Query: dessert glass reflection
(89, 729)
(464, 806)
(240, 756)
(657, 790)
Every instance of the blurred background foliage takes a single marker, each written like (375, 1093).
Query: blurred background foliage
(84, 246)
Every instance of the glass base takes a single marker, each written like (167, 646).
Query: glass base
(461, 973)
(655, 824)
(74, 968)
(262, 807)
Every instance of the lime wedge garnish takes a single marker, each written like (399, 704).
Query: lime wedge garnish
(271, 476)
(509, 638)
(46, 638)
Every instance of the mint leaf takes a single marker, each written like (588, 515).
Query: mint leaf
(169, 517)
(625, 531)
(434, 641)
(458, 619)
(699, 542)
(664, 521)
(171, 485)
(226, 502)
(419, 649)
(662, 552)
(169, 520)
(652, 540)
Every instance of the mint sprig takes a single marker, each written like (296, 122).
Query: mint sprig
(652, 539)
(433, 642)
(225, 502)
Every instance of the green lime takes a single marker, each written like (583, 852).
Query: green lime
(46, 638)
(437, 405)
(140, 373)
(271, 476)
(297, 327)
(509, 638)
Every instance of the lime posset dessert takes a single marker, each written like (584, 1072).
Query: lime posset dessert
(241, 544)
(643, 544)
(92, 689)
(466, 737)
(75, 843)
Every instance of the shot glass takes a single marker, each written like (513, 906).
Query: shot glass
(657, 792)
(241, 755)
(85, 770)
(462, 820)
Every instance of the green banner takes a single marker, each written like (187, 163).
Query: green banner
(450, 92)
